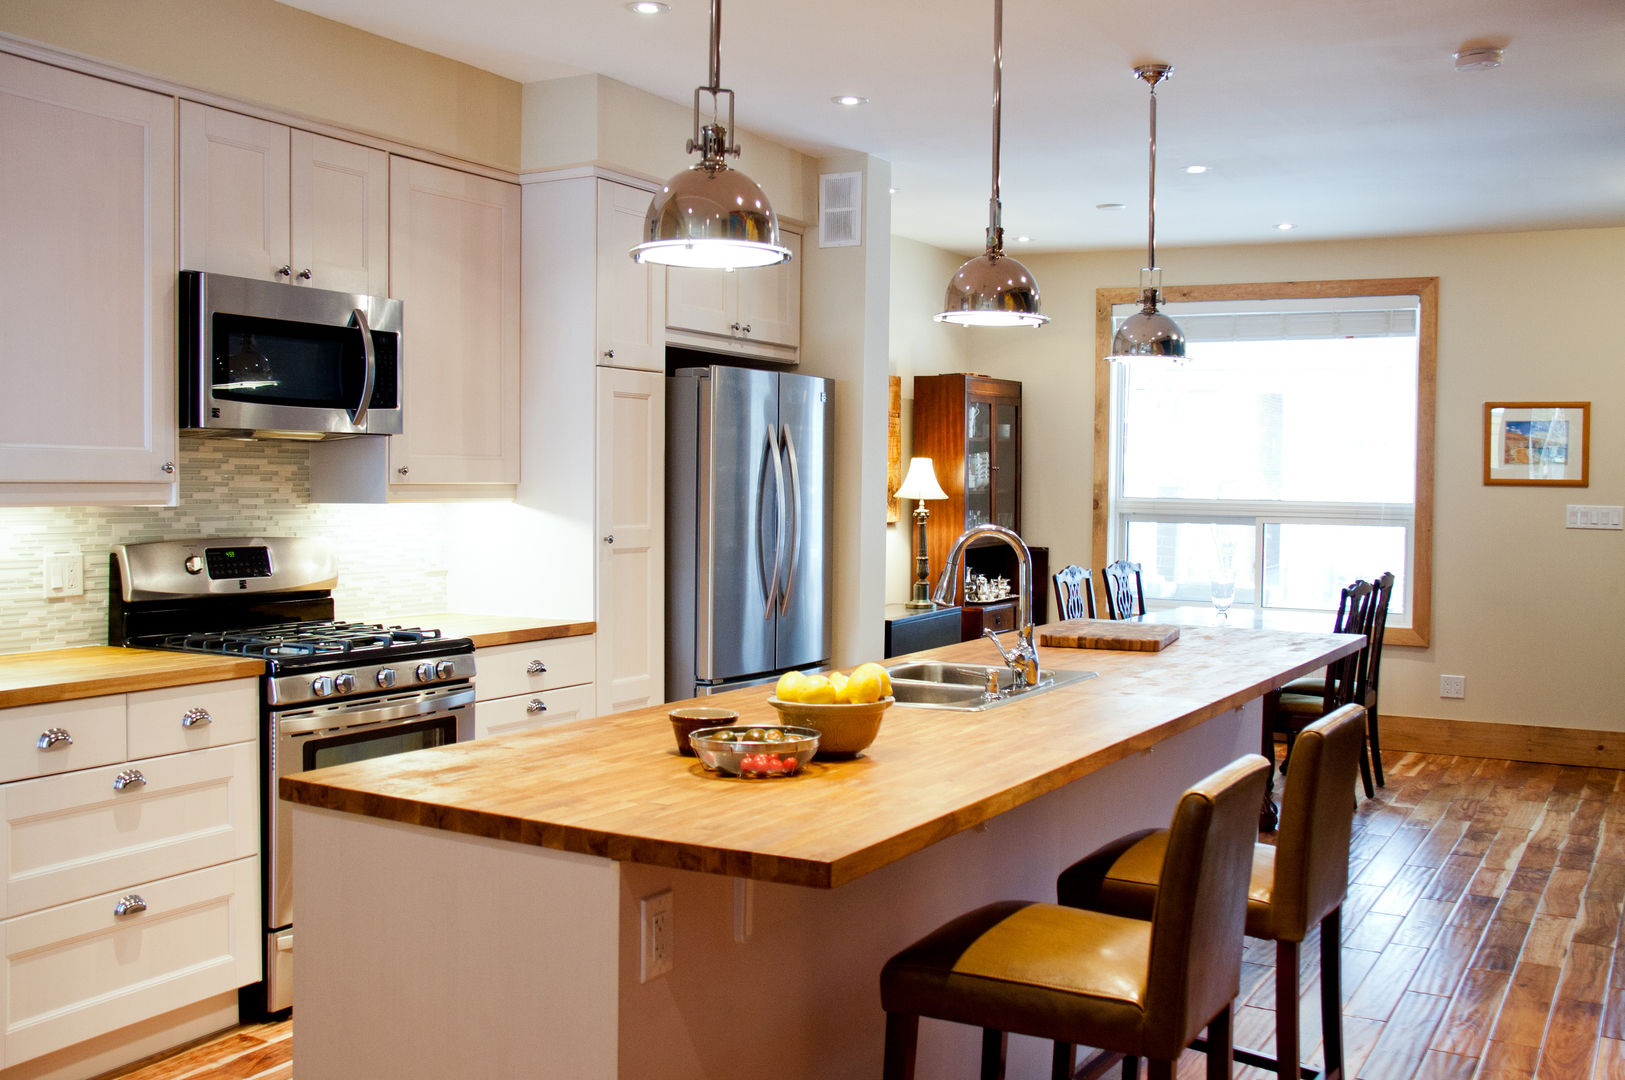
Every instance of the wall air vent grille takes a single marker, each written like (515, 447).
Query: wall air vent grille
(840, 209)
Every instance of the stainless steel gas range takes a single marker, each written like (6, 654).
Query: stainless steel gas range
(333, 692)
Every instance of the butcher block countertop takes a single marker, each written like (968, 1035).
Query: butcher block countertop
(33, 678)
(616, 787)
(489, 630)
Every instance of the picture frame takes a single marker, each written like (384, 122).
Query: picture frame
(1539, 443)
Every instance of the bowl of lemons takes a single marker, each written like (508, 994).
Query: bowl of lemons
(844, 709)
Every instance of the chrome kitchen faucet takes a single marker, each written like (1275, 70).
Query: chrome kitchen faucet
(1022, 659)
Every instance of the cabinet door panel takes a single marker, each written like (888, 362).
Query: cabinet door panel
(71, 836)
(704, 301)
(234, 193)
(87, 285)
(454, 262)
(631, 508)
(770, 298)
(340, 215)
(76, 971)
(631, 294)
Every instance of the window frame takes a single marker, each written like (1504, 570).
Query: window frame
(1426, 289)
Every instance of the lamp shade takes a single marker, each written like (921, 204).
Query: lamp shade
(1148, 332)
(921, 481)
(713, 217)
(992, 289)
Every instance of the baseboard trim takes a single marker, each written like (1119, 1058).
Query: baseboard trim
(1510, 742)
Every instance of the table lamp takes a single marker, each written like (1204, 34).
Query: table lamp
(921, 484)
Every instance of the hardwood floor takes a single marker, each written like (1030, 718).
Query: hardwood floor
(1481, 937)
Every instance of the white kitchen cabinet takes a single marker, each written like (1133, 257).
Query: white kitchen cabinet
(533, 684)
(262, 200)
(630, 305)
(87, 289)
(632, 546)
(755, 311)
(87, 825)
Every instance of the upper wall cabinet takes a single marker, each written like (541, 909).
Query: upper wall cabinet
(261, 200)
(630, 295)
(754, 311)
(87, 289)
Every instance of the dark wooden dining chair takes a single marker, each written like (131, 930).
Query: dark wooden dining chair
(1125, 595)
(1289, 713)
(1074, 593)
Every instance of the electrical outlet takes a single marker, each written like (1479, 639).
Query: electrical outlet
(1452, 686)
(65, 573)
(659, 935)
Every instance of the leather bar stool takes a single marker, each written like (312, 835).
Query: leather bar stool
(1144, 988)
(1297, 884)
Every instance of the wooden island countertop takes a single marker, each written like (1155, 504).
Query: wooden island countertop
(615, 786)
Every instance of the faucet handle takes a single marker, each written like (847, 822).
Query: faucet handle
(992, 635)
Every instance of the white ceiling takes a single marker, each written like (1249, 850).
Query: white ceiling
(1346, 118)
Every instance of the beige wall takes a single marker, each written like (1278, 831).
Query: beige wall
(281, 58)
(1526, 610)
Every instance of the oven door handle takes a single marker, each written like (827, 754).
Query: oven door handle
(366, 715)
(358, 415)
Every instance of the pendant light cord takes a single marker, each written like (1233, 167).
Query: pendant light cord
(995, 230)
(1151, 215)
(716, 48)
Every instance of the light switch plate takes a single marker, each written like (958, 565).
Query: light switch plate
(64, 573)
(1594, 517)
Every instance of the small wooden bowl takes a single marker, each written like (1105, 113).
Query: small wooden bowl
(686, 721)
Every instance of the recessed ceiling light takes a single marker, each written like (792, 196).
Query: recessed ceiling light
(1109, 206)
(1195, 169)
(648, 7)
(1024, 239)
(851, 101)
(891, 191)
(1285, 225)
(1478, 59)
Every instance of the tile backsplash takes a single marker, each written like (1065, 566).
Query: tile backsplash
(392, 559)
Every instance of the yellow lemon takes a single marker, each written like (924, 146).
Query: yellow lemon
(817, 690)
(839, 681)
(789, 686)
(879, 673)
(864, 686)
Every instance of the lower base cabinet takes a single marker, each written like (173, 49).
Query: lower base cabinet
(533, 684)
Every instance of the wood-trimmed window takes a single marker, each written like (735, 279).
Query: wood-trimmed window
(1268, 518)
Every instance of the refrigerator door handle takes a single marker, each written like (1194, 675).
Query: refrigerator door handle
(795, 527)
(770, 584)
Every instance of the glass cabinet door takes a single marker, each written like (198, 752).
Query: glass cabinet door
(1005, 465)
(978, 463)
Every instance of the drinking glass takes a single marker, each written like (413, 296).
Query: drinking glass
(1222, 580)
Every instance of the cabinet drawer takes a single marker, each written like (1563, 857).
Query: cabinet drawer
(72, 836)
(95, 726)
(78, 970)
(999, 617)
(518, 713)
(504, 670)
(220, 713)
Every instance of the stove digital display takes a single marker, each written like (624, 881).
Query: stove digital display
(238, 562)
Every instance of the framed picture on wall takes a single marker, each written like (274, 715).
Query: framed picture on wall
(1537, 442)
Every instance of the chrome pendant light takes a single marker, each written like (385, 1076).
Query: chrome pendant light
(710, 215)
(1148, 332)
(993, 289)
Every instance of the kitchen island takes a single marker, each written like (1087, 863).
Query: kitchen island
(474, 910)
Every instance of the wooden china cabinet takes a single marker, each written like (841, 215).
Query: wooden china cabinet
(970, 428)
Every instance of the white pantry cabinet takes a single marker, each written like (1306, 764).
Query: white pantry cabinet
(87, 289)
(629, 294)
(129, 860)
(753, 311)
(533, 684)
(262, 200)
(632, 539)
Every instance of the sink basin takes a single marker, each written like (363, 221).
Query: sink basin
(935, 684)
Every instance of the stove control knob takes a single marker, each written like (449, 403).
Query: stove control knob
(322, 686)
(445, 669)
(344, 683)
(425, 672)
(194, 564)
(385, 677)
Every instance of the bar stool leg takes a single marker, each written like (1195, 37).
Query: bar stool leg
(1331, 992)
(902, 1037)
(1131, 1068)
(1157, 1069)
(1061, 1064)
(1220, 1044)
(1287, 1051)
(994, 1042)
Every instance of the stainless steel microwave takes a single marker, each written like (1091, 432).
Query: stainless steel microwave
(269, 360)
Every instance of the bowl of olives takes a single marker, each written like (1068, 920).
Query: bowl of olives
(761, 750)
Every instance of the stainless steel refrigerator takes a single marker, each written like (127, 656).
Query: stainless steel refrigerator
(749, 463)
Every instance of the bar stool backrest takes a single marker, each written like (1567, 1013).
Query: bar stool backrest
(1125, 593)
(1317, 818)
(1200, 912)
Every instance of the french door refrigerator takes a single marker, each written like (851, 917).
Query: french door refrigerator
(748, 467)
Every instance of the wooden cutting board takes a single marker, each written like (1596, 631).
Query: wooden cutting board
(1108, 634)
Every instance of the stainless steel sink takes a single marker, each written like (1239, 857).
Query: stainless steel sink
(935, 684)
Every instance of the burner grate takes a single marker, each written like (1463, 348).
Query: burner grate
(323, 637)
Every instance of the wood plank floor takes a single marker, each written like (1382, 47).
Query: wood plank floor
(1481, 937)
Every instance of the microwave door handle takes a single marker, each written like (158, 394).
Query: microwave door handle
(796, 508)
(359, 416)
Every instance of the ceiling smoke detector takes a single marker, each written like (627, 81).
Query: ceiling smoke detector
(1478, 59)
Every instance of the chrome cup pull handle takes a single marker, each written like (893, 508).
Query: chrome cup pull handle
(129, 778)
(129, 905)
(196, 718)
(51, 738)
(536, 705)
(535, 667)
